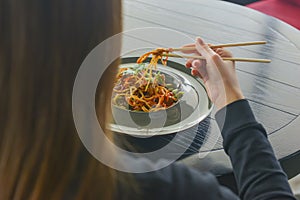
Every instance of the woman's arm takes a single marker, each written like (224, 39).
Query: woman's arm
(257, 171)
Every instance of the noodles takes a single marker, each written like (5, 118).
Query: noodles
(157, 55)
(140, 88)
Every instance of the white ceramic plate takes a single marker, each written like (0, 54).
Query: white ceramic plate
(194, 105)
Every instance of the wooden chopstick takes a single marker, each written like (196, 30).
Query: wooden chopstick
(224, 58)
(222, 45)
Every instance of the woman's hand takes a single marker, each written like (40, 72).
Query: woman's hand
(218, 76)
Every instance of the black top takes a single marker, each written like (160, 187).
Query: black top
(257, 171)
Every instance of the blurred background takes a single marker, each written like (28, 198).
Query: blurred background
(285, 10)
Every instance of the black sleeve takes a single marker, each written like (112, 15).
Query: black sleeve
(257, 171)
(178, 181)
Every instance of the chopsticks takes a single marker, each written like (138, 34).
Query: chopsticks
(219, 46)
(222, 45)
(224, 58)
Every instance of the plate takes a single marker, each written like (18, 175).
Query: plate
(195, 105)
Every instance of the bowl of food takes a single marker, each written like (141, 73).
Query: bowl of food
(146, 97)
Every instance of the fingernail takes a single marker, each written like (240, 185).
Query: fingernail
(199, 40)
(196, 63)
(195, 72)
(188, 64)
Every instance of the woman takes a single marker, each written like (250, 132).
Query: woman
(42, 44)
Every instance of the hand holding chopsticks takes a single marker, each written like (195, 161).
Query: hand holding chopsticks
(219, 77)
(192, 48)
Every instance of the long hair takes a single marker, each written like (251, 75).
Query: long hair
(42, 44)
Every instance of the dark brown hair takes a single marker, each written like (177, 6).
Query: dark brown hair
(42, 44)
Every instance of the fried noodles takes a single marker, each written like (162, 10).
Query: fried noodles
(141, 88)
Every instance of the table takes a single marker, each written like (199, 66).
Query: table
(273, 90)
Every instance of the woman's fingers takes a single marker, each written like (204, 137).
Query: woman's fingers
(188, 63)
(213, 59)
(213, 67)
(199, 68)
(204, 49)
(219, 76)
(195, 72)
(223, 53)
(189, 51)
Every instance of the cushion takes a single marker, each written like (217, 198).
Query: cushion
(285, 10)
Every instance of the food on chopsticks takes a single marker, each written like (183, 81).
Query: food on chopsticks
(157, 55)
(140, 87)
